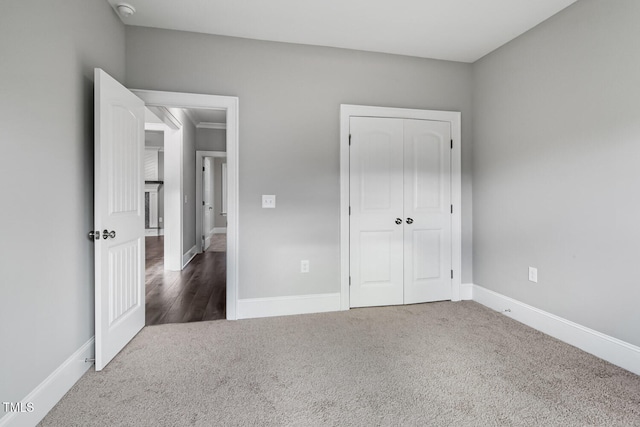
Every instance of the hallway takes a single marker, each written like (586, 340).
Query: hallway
(194, 294)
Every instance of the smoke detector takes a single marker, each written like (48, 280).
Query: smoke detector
(125, 10)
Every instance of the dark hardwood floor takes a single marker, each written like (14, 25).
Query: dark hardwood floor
(197, 293)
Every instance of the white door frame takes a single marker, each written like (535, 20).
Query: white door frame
(231, 105)
(453, 117)
(200, 155)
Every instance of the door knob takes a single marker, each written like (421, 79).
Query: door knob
(398, 221)
(94, 235)
(409, 220)
(106, 234)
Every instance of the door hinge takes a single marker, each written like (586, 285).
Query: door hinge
(349, 139)
(451, 208)
(203, 169)
(452, 274)
(349, 210)
(452, 144)
(203, 203)
(349, 280)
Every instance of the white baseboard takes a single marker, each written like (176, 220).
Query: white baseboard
(154, 231)
(191, 253)
(219, 230)
(611, 349)
(284, 306)
(49, 392)
(466, 291)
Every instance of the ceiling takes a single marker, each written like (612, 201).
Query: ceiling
(456, 30)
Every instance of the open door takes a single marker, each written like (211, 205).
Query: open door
(119, 217)
(207, 201)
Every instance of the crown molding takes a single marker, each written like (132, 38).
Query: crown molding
(209, 125)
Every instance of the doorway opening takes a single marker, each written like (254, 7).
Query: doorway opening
(196, 292)
(189, 278)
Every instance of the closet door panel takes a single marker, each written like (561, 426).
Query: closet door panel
(427, 211)
(376, 199)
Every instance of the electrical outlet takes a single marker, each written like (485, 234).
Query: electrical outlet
(304, 266)
(533, 274)
(160, 219)
(268, 201)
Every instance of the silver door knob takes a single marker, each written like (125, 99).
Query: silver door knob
(106, 234)
(409, 220)
(398, 221)
(94, 235)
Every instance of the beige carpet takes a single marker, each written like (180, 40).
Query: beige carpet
(439, 364)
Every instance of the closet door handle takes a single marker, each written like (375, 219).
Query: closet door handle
(398, 221)
(409, 220)
(106, 234)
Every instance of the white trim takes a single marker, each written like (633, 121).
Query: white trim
(285, 306)
(163, 114)
(189, 255)
(191, 118)
(453, 117)
(466, 291)
(219, 230)
(209, 125)
(49, 392)
(200, 155)
(152, 232)
(231, 105)
(611, 349)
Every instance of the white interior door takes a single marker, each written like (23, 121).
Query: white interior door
(427, 211)
(376, 231)
(119, 217)
(400, 223)
(207, 200)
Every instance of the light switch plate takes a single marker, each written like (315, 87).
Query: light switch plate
(268, 201)
(533, 274)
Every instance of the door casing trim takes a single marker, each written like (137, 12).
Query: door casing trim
(454, 118)
(231, 105)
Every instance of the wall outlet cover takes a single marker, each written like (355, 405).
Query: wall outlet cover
(268, 201)
(304, 266)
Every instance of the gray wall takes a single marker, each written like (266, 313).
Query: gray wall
(49, 51)
(289, 136)
(188, 179)
(555, 168)
(211, 139)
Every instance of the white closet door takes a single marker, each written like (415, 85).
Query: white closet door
(427, 211)
(376, 198)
